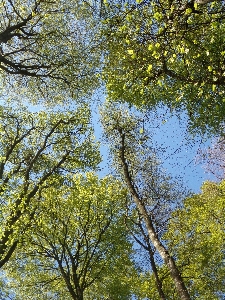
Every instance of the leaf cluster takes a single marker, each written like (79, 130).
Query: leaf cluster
(168, 52)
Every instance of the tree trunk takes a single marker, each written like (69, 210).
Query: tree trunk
(157, 279)
(169, 261)
(78, 295)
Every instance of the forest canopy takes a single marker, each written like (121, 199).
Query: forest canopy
(88, 210)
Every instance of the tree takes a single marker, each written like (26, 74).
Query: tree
(131, 155)
(196, 238)
(34, 148)
(77, 246)
(168, 52)
(161, 194)
(48, 46)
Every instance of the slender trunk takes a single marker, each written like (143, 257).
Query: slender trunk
(157, 279)
(148, 248)
(169, 261)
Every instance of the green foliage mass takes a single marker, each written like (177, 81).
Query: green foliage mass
(77, 246)
(168, 52)
(65, 233)
(197, 235)
(34, 148)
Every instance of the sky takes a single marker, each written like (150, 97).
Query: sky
(181, 150)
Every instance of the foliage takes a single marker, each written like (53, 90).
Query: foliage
(34, 148)
(77, 247)
(48, 46)
(196, 238)
(169, 52)
(68, 234)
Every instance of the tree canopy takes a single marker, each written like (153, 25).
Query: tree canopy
(67, 230)
(34, 148)
(168, 52)
(134, 160)
(196, 233)
(76, 247)
(195, 237)
(48, 46)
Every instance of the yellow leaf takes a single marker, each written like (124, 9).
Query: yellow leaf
(150, 47)
(149, 68)
(188, 11)
(210, 68)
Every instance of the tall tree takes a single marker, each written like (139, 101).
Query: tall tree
(195, 237)
(161, 194)
(34, 148)
(169, 52)
(77, 246)
(132, 154)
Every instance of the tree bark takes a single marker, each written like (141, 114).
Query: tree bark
(148, 248)
(157, 279)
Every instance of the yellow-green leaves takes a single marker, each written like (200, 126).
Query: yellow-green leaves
(79, 229)
(132, 53)
(158, 16)
(149, 69)
(184, 46)
(150, 47)
(210, 68)
(36, 148)
(36, 63)
(188, 11)
(197, 233)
